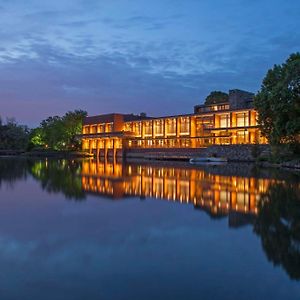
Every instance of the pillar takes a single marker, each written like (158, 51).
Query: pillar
(193, 131)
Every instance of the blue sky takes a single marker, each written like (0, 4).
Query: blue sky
(158, 56)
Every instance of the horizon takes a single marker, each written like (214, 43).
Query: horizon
(159, 57)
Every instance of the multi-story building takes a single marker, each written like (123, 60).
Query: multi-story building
(232, 122)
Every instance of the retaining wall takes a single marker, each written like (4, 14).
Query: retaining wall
(245, 153)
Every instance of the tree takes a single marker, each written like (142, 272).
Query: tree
(73, 127)
(216, 97)
(278, 103)
(59, 133)
(13, 136)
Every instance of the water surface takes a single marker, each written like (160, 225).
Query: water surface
(95, 230)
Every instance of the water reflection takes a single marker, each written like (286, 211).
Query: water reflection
(12, 170)
(268, 201)
(59, 176)
(278, 225)
(217, 194)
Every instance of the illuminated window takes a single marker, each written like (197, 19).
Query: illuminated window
(185, 142)
(101, 128)
(159, 127)
(242, 136)
(242, 119)
(148, 128)
(171, 126)
(86, 129)
(128, 127)
(184, 125)
(137, 128)
(204, 123)
(109, 127)
(224, 121)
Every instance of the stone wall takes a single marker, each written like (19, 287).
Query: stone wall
(246, 153)
(237, 152)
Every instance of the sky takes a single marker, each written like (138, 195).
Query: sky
(130, 56)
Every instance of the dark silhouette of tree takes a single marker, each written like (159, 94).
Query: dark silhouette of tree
(278, 225)
(216, 97)
(13, 136)
(278, 103)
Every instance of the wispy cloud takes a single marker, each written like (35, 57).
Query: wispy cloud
(132, 56)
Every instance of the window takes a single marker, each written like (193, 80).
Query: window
(185, 125)
(224, 121)
(242, 119)
(159, 127)
(148, 128)
(137, 128)
(204, 123)
(128, 127)
(101, 128)
(171, 126)
(242, 136)
(109, 127)
(86, 129)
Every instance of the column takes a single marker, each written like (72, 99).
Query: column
(192, 121)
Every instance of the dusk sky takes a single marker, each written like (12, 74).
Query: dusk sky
(155, 56)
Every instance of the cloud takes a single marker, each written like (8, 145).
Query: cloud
(153, 57)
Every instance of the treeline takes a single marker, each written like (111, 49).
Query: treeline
(278, 104)
(58, 133)
(54, 133)
(13, 136)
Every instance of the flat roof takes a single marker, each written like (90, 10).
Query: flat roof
(108, 118)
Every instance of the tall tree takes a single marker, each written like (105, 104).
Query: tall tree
(216, 97)
(59, 133)
(13, 136)
(278, 103)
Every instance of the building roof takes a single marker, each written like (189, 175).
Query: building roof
(108, 118)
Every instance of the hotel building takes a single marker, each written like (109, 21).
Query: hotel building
(232, 122)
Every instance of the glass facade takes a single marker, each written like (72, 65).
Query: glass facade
(183, 131)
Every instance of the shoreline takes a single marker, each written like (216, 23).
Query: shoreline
(45, 154)
(288, 165)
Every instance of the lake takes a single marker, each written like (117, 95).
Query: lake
(85, 229)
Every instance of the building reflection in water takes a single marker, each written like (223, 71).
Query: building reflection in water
(216, 194)
(268, 200)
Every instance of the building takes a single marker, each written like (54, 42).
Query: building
(232, 122)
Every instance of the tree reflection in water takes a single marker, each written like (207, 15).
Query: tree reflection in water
(12, 170)
(271, 203)
(59, 176)
(278, 225)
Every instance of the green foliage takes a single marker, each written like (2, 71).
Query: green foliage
(59, 133)
(216, 97)
(278, 103)
(36, 137)
(13, 136)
